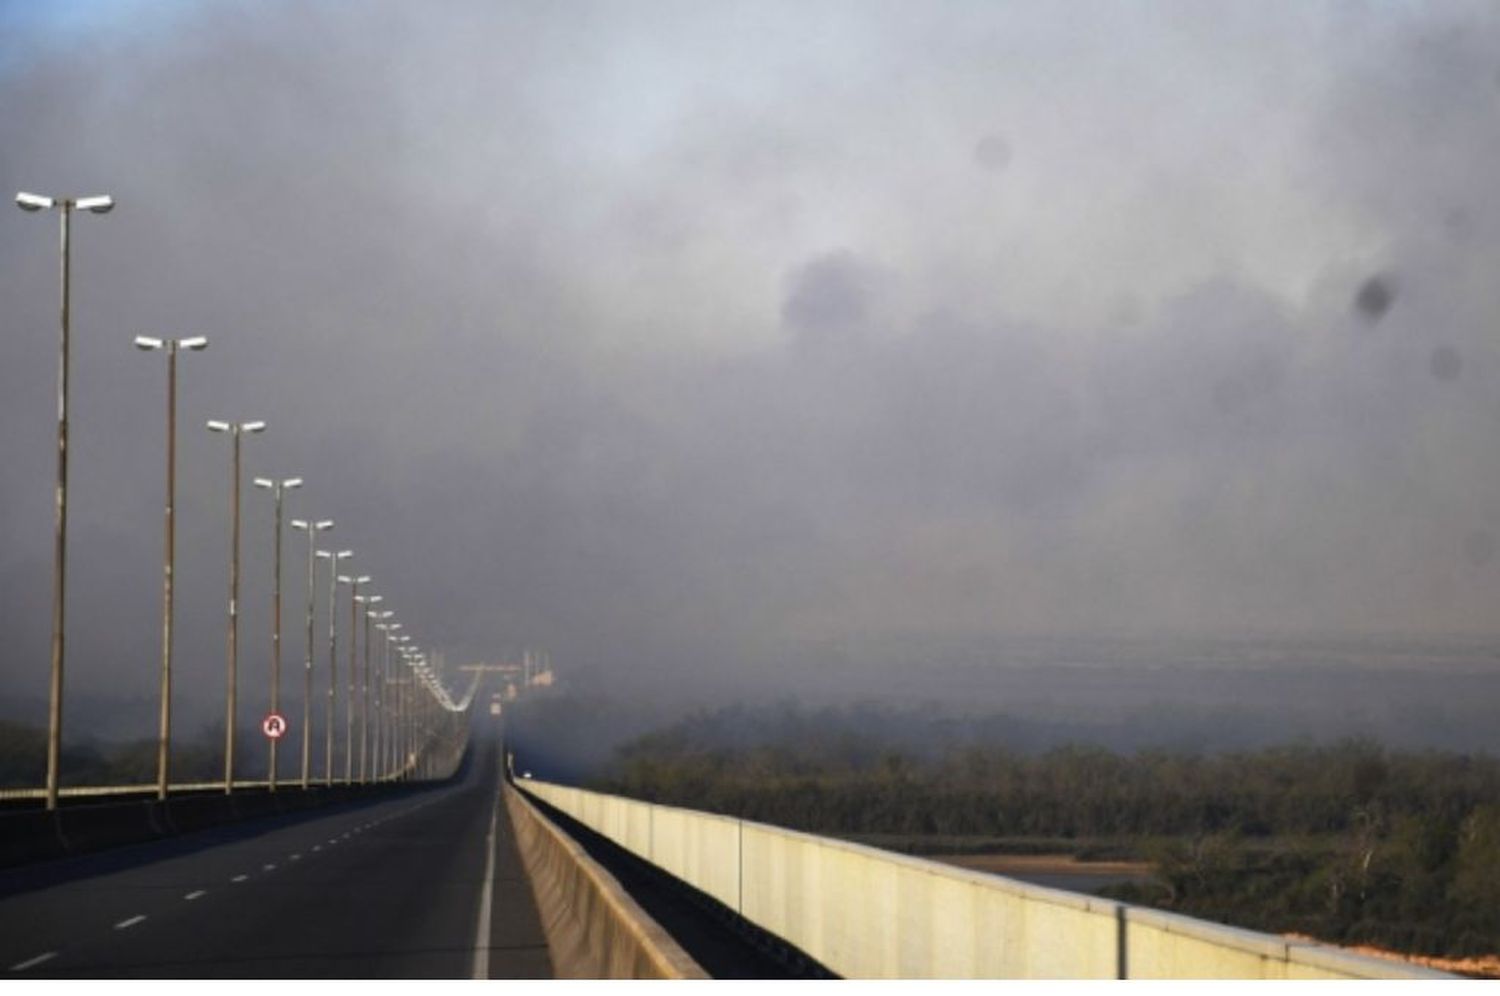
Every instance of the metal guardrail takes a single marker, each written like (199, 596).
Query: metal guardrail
(105, 791)
(293, 784)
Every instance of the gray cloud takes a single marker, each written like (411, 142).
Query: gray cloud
(675, 339)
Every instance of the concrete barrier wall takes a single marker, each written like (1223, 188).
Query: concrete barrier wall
(871, 914)
(698, 848)
(594, 929)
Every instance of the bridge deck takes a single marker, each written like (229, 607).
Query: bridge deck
(390, 889)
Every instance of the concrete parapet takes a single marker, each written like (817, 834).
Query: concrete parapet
(90, 828)
(29, 835)
(594, 929)
(866, 913)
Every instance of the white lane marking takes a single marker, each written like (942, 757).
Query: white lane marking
(486, 897)
(296, 857)
(126, 924)
(196, 893)
(317, 847)
(239, 878)
(33, 962)
(269, 868)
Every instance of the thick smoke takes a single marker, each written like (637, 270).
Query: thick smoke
(695, 343)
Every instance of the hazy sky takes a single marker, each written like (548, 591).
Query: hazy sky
(670, 334)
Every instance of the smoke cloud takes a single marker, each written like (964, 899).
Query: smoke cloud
(681, 339)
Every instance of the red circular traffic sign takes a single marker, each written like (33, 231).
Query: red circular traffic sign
(273, 726)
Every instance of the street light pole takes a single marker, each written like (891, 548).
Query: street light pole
(364, 689)
(399, 732)
(413, 707)
(277, 488)
(312, 529)
(169, 552)
(353, 583)
(65, 206)
(377, 749)
(236, 431)
(333, 658)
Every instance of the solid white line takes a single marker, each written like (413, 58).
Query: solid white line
(123, 924)
(195, 894)
(33, 962)
(239, 878)
(486, 897)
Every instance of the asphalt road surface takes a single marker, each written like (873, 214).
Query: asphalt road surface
(389, 889)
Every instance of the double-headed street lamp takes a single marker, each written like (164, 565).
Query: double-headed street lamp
(392, 701)
(66, 206)
(418, 708)
(169, 550)
(333, 659)
(353, 583)
(312, 529)
(377, 751)
(364, 688)
(378, 738)
(236, 431)
(277, 488)
(398, 732)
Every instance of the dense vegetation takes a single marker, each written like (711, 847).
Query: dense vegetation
(1348, 842)
(195, 757)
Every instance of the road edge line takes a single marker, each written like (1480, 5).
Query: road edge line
(486, 896)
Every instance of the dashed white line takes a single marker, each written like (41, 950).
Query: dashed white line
(317, 847)
(296, 857)
(269, 868)
(195, 894)
(33, 962)
(239, 878)
(126, 924)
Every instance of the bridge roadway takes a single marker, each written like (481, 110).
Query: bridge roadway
(386, 889)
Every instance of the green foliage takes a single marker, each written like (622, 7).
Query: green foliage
(198, 757)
